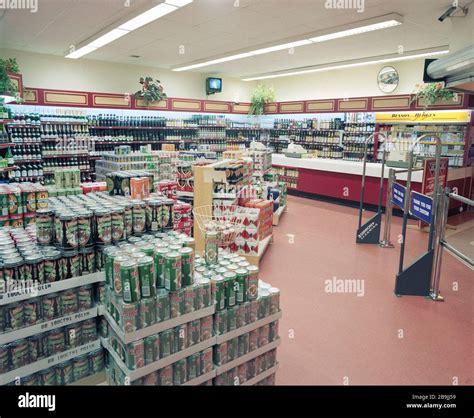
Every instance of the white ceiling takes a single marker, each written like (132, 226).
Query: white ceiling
(209, 28)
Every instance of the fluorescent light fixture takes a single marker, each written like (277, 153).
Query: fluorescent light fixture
(142, 19)
(280, 47)
(148, 16)
(216, 61)
(369, 25)
(108, 37)
(348, 64)
(356, 31)
(81, 52)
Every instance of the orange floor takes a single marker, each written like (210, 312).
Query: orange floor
(337, 338)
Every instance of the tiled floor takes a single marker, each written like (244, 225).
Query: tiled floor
(375, 338)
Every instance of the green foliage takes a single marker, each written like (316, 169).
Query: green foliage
(260, 97)
(151, 91)
(8, 65)
(432, 92)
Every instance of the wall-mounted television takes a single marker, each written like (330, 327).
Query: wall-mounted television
(213, 85)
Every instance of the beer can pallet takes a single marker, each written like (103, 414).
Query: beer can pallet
(247, 328)
(128, 337)
(261, 376)
(49, 362)
(48, 325)
(243, 359)
(47, 288)
(150, 368)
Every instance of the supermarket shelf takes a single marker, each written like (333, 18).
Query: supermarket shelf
(7, 145)
(48, 362)
(63, 123)
(247, 328)
(27, 161)
(92, 380)
(48, 325)
(261, 376)
(148, 128)
(249, 356)
(6, 120)
(201, 379)
(262, 247)
(81, 154)
(46, 288)
(22, 125)
(277, 215)
(7, 169)
(128, 337)
(150, 368)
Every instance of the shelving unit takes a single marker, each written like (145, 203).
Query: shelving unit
(48, 362)
(128, 337)
(10, 336)
(47, 288)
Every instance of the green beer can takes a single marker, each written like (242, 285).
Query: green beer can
(252, 282)
(130, 281)
(230, 280)
(194, 332)
(159, 258)
(165, 343)
(211, 248)
(146, 274)
(220, 324)
(162, 305)
(181, 336)
(147, 312)
(194, 366)
(232, 318)
(152, 348)
(219, 292)
(187, 266)
(172, 271)
(180, 372)
(109, 254)
(240, 285)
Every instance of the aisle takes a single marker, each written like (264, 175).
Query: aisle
(332, 338)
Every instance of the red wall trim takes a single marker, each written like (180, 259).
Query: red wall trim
(466, 102)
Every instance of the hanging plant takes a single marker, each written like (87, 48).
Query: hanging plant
(151, 91)
(7, 86)
(430, 93)
(261, 96)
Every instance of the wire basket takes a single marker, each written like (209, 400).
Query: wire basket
(228, 226)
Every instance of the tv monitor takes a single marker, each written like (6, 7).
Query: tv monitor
(213, 85)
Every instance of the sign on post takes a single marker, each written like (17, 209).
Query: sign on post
(421, 207)
(398, 195)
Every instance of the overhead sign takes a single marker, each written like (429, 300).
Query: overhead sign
(398, 195)
(421, 207)
(461, 116)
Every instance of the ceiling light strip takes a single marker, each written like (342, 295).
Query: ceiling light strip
(382, 22)
(142, 19)
(372, 61)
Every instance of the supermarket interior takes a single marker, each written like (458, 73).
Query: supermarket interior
(236, 192)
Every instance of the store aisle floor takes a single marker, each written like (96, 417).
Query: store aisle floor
(374, 338)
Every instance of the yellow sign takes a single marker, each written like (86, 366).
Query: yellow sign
(462, 116)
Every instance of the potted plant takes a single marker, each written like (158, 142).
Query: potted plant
(261, 96)
(7, 87)
(430, 93)
(151, 91)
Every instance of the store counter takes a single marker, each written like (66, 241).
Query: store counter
(339, 179)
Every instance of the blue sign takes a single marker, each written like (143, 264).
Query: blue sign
(398, 195)
(421, 207)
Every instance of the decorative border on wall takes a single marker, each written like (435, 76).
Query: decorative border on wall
(316, 106)
(442, 103)
(391, 103)
(31, 96)
(66, 98)
(51, 97)
(108, 100)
